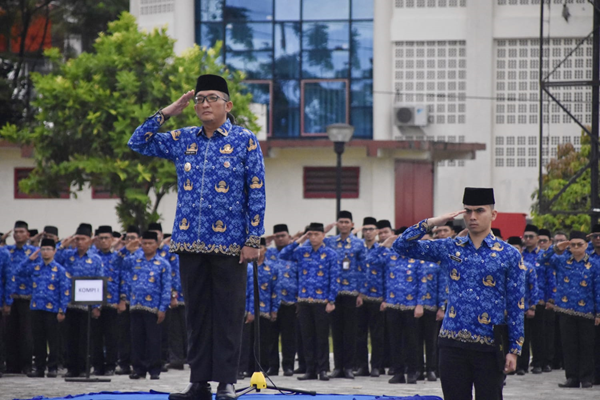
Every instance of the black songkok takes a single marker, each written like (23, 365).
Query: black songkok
(531, 228)
(211, 82)
(21, 224)
(369, 221)
(546, 232)
(450, 224)
(84, 229)
(478, 196)
(155, 226)
(116, 234)
(280, 228)
(263, 241)
(51, 230)
(48, 242)
(167, 235)
(33, 232)
(383, 223)
(104, 229)
(150, 235)
(458, 229)
(596, 228)
(345, 214)
(400, 230)
(497, 232)
(577, 235)
(315, 227)
(515, 240)
(133, 229)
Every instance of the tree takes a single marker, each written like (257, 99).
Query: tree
(576, 197)
(89, 107)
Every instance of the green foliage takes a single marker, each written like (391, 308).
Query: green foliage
(89, 106)
(576, 197)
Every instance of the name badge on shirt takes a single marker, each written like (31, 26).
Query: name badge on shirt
(455, 258)
(192, 149)
(346, 264)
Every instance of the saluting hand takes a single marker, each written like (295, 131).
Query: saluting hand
(562, 246)
(133, 245)
(330, 227)
(33, 256)
(302, 238)
(389, 241)
(179, 105)
(5, 236)
(441, 220)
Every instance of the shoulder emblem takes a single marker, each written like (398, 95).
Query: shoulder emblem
(251, 145)
(497, 247)
(256, 183)
(255, 220)
(175, 134)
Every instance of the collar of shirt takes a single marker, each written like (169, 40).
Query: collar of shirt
(318, 249)
(536, 250)
(223, 129)
(489, 240)
(585, 258)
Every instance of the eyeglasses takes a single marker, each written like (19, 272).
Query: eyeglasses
(543, 240)
(595, 236)
(211, 98)
(528, 236)
(368, 229)
(577, 244)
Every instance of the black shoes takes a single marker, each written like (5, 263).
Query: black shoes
(300, 370)
(109, 372)
(348, 374)
(225, 391)
(288, 372)
(36, 374)
(309, 375)
(362, 371)
(391, 371)
(586, 385)
(123, 371)
(194, 391)
(536, 370)
(547, 368)
(178, 366)
(431, 377)
(52, 373)
(323, 376)
(570, 383)
(241, 376)
(520, 372)
(135, 375)
(273, 371)
(155, 377)
(337, 373)
(412, 379)
(164, 368)
(375, 373)
(71, 374)
(398, 378)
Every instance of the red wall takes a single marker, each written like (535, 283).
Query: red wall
(413, 192)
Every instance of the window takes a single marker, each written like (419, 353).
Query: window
(320, 182)
(323, 103)
(102, 193)
(22, 173)
(262, 93)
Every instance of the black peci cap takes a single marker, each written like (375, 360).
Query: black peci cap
(577, 235)
(383, 223)
(369, 221)
(497, 232)
(155, 226)
(515, 240)
(478, 196)
(544, 232)
(596, 228)
(21, 224)
(33, 232)
(84, 229)
(48, 242)
(315, 227)
(263, 241)
(133, 229)
(280, 228)
(345, 214)
(116, 234)
(150, 235)
(104, 229)
(400, 230)
(52, 230)
(531, 228)
(211, 82)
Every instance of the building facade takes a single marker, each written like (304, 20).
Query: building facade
(468, 69)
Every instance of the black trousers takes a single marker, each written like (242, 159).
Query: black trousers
(164, 338)
(19, 339)
(45, 340)
(542, 337)
(244, 363)
(370, 319)
(597, 356)
(557, 360)
(105, 336)
(343, 331)
(177, 335)
(427, 328)
(578, 347)
(265, 340)
(63, 339)
(284, 325)
(300, 344)
(76, 321)
(124, 335)
(145, 346)
(403, 340)
(214, 287)
(461, 369)
(2, 343)
(523, 359)
(314, 323)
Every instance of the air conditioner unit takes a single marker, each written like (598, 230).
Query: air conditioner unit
(411, 115)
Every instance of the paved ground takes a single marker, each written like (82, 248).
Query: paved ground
(518, 387)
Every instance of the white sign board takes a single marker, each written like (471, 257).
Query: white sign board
(90, 290)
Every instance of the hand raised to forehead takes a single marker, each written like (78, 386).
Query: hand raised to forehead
(179, 105)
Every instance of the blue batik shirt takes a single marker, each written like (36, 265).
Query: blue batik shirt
(220, 182)
(577, 284)
(51, 287)
(351, 280)
(532, 293)
(267, 280)
(486, 287)
(173, 260)
(372, 289)
(286, 287)
(5, 279)
(111, 269)
(148, 283)
(530, 258)
(20, 286)
(400, 285)
(88, 265)
(318, 272)
(433, 286)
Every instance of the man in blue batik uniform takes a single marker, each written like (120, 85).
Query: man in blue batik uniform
(351, 258)
(19, 340)
(148, 290)
(50, 296)
(486, 288)
(286, 324)
(595, 255)
(5, 299)
(318, 270)
(218, 224)
(577, 300)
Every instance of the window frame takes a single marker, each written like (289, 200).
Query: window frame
(332, 194)
(18, 195)
(270, 112)
(302, 84)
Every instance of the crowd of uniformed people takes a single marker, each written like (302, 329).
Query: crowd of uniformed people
(355, 285)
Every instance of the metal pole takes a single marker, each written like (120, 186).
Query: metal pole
(339, 150)
(257, 360)
(542, 208)
(595, 116)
